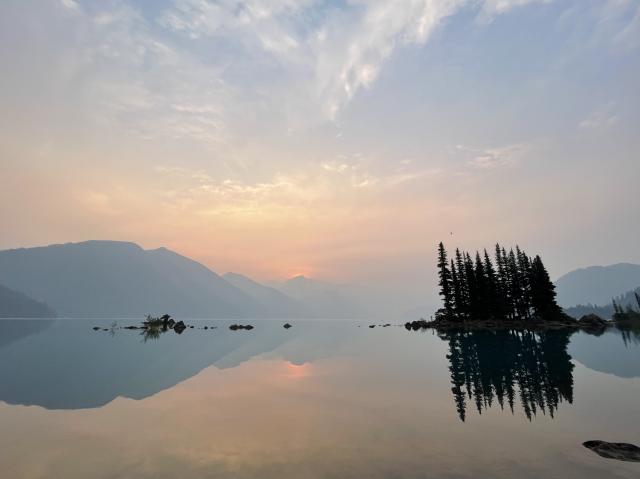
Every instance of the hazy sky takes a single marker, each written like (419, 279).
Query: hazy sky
(339, 139)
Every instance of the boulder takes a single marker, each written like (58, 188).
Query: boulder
(179, 327)
(620, 451)
(592, 322)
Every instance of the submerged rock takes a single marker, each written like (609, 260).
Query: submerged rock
(620, 451)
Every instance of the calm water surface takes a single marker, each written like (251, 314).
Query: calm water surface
(320, 400)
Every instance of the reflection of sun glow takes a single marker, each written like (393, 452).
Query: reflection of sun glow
(296, 371)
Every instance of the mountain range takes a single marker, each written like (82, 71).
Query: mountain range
(113, 279)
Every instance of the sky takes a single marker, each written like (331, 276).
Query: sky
(337, 139)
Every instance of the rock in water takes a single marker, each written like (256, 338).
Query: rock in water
(179, 327)
(235, 327)
(592, 321)
(287, 326)
(620, 451)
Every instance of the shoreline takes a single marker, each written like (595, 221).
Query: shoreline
(588, 323)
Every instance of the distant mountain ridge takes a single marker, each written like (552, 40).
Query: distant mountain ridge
(14, 304)
(323, 300)
(120, 279)
(115, 279)
(275, 303)
(605, 311)
(597, 284)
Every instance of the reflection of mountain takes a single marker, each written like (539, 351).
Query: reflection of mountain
(69, 366)
(14, 330)
(504, 366)
(614, 352)
(14, 304)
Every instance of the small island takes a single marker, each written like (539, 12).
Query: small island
(511, 291)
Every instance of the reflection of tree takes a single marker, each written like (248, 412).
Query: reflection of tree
(488, 366)
(630, 331)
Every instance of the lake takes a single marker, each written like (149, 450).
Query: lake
(323, 399)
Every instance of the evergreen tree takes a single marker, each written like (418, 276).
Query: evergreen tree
(464, 287)
(472, 289)
(515, 289)
(524, 270)
(616, 308)
(543, 292)
(458, 300)
(482, 290)
(445, 281)
(493, 301)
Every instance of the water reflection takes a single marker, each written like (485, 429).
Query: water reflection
(630, 332)
(533, 368)
(64, 364)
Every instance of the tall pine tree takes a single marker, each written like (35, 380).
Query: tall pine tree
(445, 281)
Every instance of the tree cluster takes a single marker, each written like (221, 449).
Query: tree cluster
(626, 314)
(512, 286)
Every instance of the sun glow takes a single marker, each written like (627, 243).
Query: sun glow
(297, 371)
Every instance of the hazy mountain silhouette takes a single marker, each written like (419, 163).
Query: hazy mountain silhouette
(118, 279)
(606, 310)
(14, 304)
(321, 299)
(597, 284)
(275, 304)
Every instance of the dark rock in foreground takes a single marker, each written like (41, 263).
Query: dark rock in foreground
(620, 451)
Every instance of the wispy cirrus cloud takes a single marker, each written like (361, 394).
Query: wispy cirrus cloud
(338, 51)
